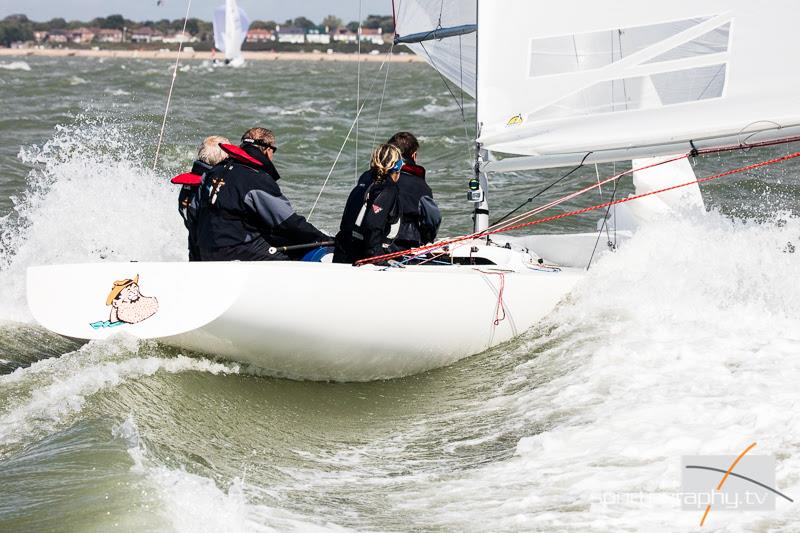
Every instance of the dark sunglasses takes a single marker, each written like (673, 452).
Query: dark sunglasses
(262, 145)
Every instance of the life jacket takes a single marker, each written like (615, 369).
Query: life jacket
(193, 178)
(413, 169)
(367, 204)
(240, 155)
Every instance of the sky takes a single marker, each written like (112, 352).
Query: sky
(278, 10)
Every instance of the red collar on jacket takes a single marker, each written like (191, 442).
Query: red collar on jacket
(240, 155)
(413, 169)
(193, 180)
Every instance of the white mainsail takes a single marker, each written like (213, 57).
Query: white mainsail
(455, 57)
(230, 30)
(561, 82)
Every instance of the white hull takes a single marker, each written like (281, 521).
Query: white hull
(310, 321)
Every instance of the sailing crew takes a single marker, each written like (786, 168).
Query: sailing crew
(420, 217)
(372, 214)
(208, 156)
(243, 213)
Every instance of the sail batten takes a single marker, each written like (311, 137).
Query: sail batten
(559, 83)
(436, 34)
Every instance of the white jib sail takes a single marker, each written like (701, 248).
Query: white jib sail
(230, 30)
(455, 57)
(559, 82)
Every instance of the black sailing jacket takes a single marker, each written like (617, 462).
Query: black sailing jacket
(242, 211)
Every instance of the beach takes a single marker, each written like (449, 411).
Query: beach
(402, 57)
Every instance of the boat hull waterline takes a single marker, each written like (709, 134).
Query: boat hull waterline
(308, 321)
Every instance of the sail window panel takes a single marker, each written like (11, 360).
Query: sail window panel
(690, 85)
(629, 94)
(596, 50)
(713, 42)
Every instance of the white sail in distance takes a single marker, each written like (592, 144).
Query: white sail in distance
(560, 82)
(455, 57)
(230, 30)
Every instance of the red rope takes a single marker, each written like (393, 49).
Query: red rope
(422, 249)
(500, 309)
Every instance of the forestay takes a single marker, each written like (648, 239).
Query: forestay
(559, 82)
(230, 29)
(454, 57)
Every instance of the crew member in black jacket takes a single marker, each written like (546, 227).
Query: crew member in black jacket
(372, 213)
(209, 155)
(242, 210)
(419, 215)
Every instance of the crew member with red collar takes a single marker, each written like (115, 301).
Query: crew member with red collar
(243, 212)
(420, 217)
(208, 156)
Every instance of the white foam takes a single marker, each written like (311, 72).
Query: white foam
(77, 80)
(195, 504)
(16, 65)
(90, 197)
(685, 342)
(50, 392)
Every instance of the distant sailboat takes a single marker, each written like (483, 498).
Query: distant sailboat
(230, 30)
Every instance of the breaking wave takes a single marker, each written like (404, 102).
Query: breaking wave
(89, 197)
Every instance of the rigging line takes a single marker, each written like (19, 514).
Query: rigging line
(532, 198)
(496, 228)
(552, 218)
(711, 81)
(347, 138)
(604, 226)
(444, 80)
(383, 96)
(358, 87)
(597, 173)
(171, 86)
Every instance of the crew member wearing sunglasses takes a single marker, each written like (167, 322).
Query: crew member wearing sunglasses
(243, 212)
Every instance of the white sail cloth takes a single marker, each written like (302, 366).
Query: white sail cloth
(454, 57)
(560, 82)
(230, 29)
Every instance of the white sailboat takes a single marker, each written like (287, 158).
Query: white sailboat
(571, 83)
(230, 30)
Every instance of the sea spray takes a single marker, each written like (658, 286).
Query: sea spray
(683, 342)
(90, 197)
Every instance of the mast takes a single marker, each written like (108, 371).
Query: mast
(479, 184)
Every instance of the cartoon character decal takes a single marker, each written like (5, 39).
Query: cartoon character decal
(128, 305)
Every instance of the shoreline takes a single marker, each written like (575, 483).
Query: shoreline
(172, 54)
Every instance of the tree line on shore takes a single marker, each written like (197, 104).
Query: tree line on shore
(19, 28)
